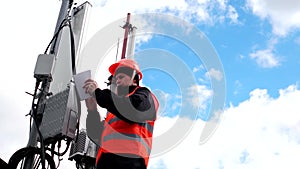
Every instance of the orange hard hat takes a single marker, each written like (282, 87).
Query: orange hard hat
(125, 63)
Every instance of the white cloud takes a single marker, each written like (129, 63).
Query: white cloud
(201, 11)
(198, 68)
(283, 15)
(198, 96)
(175, 106)
(213, 73)
(237, 87)
(232, 14)
(265, 58)
(261, 132)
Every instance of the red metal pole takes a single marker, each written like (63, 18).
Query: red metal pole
(125, 36)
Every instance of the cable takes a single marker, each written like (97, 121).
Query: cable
(17, 159)
(34, 113)
(72, 40)
(37, 109)
(65, 22)
(58, 153)
(61, 26)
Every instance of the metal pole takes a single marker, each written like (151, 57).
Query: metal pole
(126, 27)
(65, 6)
(62, 14)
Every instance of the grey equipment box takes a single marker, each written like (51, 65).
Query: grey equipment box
(83, 148)
(61, 115)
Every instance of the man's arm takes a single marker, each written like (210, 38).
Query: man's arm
(94, 126)
(138, 107)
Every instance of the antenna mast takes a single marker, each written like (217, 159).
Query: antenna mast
(127, 29)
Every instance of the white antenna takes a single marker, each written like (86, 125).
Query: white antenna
(131, 45)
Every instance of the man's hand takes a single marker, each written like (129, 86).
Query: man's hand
(91, 104)
(90, 86)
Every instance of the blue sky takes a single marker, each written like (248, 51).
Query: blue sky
(257, 44)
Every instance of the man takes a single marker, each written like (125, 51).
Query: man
(126, 139)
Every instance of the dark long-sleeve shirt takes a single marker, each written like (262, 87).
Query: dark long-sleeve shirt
(136, 108)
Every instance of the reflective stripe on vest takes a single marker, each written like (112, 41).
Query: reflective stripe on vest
(130, 137)
(148, 126)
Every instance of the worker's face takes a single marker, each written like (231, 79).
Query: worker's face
(123, 79)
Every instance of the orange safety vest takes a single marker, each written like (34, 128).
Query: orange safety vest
(121, 137)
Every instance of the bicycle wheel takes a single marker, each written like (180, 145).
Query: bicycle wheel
(17, 160)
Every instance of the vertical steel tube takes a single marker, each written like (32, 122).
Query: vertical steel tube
(125, 36)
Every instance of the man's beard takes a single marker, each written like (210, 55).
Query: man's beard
(123, 90)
